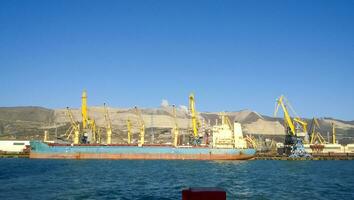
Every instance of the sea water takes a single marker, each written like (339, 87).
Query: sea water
(158, 179)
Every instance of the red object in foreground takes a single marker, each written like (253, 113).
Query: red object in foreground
(203, 194)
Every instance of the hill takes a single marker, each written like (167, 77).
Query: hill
(30, 123)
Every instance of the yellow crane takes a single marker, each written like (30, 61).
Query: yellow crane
(46, 136)
(87, 123)
(293, 144)
(195, 122)
(108, 124)
(251, 141)
(99, 135)
(75, 127)
(141, 126)
(175, 128)
(316, 137)
(94, 131)
(225, 120)
(302, 124)
(129, 129)
(290, 124)
(333, 134)
(287, 119)
(84, 109)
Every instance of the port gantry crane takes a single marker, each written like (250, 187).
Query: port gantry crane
(141, 124)
(195, 123)
(175, 128)
(108, 124)
(293, 142)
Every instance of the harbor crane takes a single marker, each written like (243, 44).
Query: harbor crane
(129, 130)
(86, 133)
(141, 125)
(315, 135)
(251, 141)
(302, 124)
(108, 124)
(75, 127)
(225, 120)
(45, 136)
(175, 128)
(334, 134)
(91, 133)
(293, 126)
(195, 122)
(293, 142)
(84, 110)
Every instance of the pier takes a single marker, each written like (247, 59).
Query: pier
(14, 155)
(317, 156)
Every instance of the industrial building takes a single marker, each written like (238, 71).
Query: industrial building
(13, 146)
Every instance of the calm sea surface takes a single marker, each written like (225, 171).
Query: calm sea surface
(93, 179)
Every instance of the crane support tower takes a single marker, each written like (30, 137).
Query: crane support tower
(84, 109)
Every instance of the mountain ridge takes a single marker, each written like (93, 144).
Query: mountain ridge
(28, 122)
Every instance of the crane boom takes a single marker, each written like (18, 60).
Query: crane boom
(315, 135)
(333, 133)
(129, 129)
(194, 115)
(287, 118)
(141, 125)
(71, 117)
(175, 129)
(225, 120)
(74, 125)
(302, 123)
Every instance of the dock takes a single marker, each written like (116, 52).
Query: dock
(317, 156)
(14, 155)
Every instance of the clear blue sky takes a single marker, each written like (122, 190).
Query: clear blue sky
(233, 54)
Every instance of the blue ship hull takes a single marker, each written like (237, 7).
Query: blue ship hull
(59, 151)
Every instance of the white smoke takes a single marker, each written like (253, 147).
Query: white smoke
(164, 103)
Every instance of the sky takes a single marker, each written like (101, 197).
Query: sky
(233, 55)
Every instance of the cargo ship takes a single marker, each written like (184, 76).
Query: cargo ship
(44, 150)
(226, 144)
(227, 141)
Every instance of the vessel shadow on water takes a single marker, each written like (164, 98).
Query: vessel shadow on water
(128, 152)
